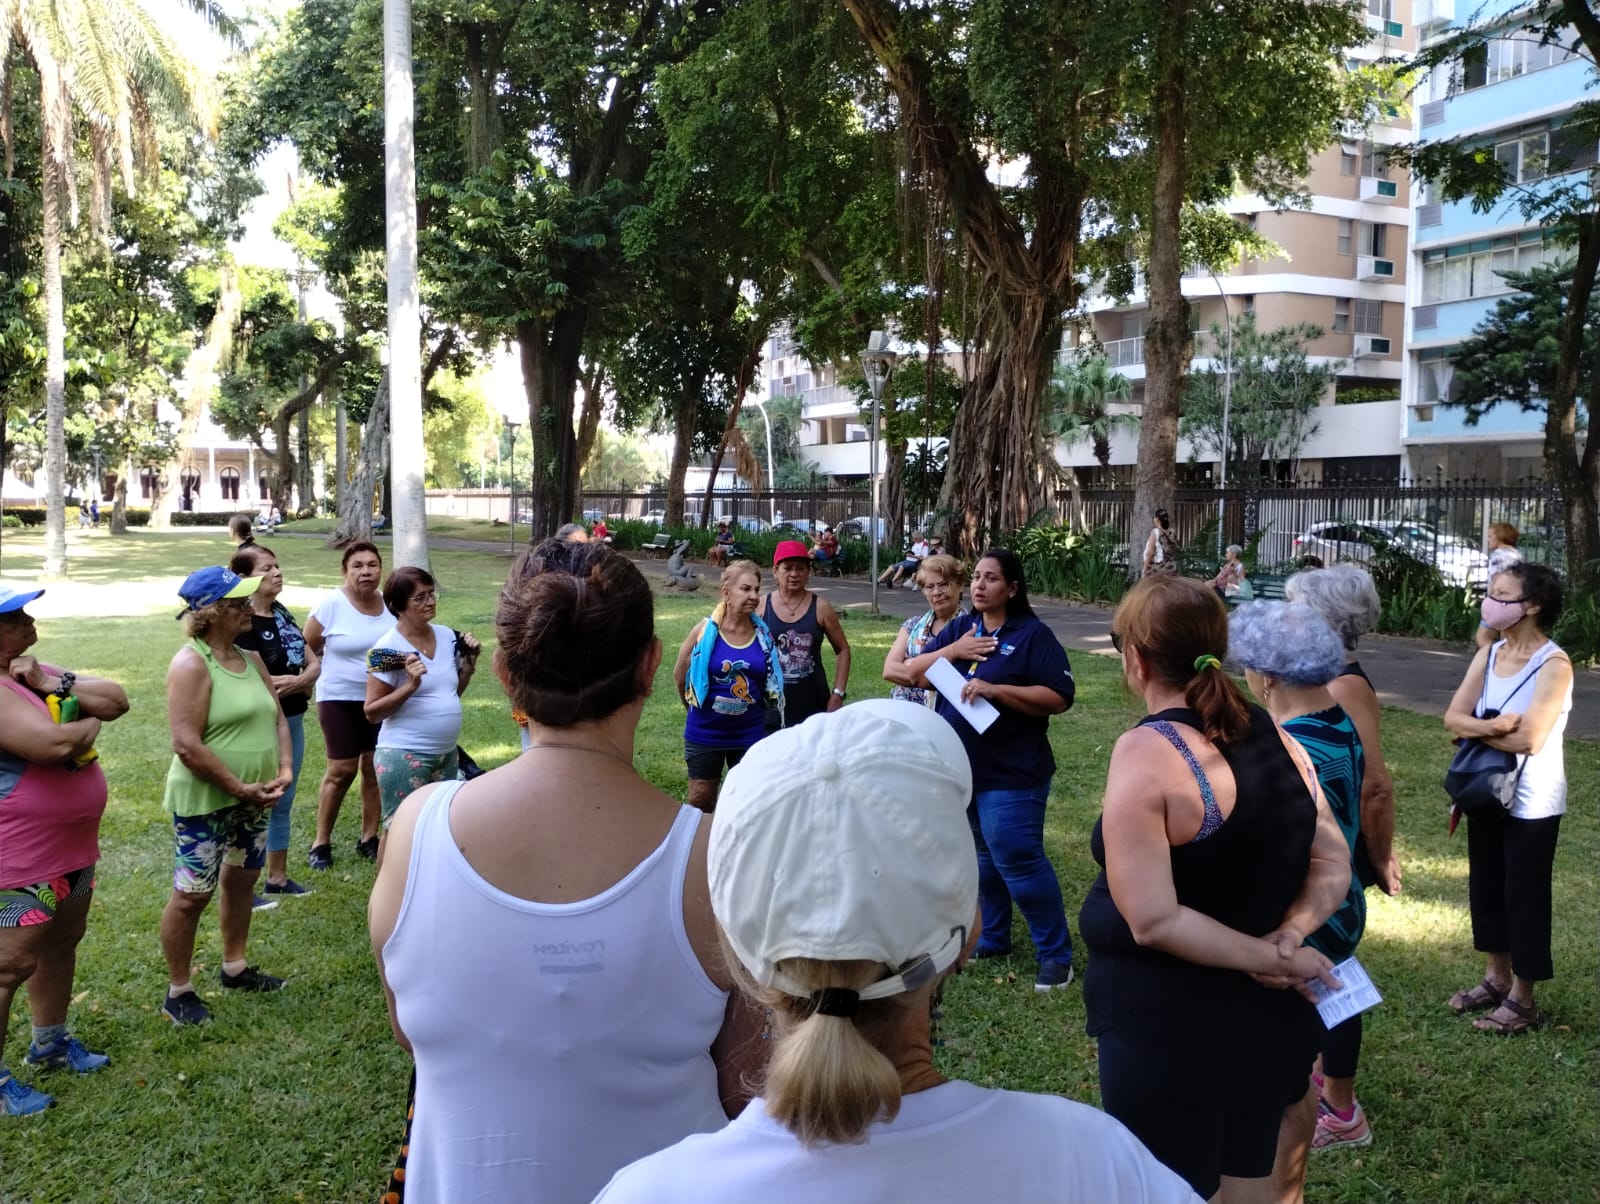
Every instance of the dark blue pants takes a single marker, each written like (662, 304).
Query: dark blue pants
(1008, 828)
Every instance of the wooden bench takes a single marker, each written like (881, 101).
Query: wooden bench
(660, 545)
(1265, 587)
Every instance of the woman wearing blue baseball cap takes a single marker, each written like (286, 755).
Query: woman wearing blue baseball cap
(52, 795)
(232, 760)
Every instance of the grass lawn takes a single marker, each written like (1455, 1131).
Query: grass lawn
(299, 1096)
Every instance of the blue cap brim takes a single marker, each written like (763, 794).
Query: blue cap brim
(18, 601)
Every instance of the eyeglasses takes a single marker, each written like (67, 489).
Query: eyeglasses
(424, 599)
(236, 603)
(1116, 641)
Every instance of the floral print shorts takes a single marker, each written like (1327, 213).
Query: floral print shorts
(400, 772)
(24, 906)
(236, 835)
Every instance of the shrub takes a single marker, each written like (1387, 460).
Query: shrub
(10, 522)
(1060, 563)
(202, 518)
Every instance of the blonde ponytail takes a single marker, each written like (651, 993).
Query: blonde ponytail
(828, 1080)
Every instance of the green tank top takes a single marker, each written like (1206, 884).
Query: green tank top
(241, 730)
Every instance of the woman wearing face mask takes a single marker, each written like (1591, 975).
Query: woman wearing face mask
(1515, 697)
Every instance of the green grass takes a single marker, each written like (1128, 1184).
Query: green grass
(299, 1096)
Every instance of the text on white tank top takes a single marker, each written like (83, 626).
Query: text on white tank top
(554, 1043)
(1542, 789)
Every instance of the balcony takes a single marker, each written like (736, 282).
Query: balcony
(1379, 192)
(1435, 16)
(1371, 268)
(1121, 353)
(1385, 28)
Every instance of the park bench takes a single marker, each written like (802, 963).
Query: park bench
(1265, 587)
(660, 545)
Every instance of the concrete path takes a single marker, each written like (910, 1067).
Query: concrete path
(1416, 675)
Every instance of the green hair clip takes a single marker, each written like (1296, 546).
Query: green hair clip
(1206, 661)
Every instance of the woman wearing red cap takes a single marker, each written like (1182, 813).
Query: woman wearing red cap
(799, 621)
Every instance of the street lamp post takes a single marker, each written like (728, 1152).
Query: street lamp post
(511, 507)
(877, 363)
(772, 483)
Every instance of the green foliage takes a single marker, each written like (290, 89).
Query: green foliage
(1060, 563)
(620, 462)
(1514, 353)
(1275, 393)
(1080, 392)
(1364, 393)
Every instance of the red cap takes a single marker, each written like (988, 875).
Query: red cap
(789, 549)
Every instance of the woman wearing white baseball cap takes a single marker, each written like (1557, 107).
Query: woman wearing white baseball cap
(845, 884)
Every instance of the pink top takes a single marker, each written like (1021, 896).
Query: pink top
(49, 814)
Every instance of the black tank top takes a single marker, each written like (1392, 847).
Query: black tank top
(1244, 875)
(1354, 669)
(799, 644)
(1366, 872)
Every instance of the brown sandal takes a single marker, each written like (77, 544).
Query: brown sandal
(1482, 998)
(1523, 1018)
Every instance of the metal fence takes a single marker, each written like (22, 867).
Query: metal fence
(1439, 513)
(808, 509)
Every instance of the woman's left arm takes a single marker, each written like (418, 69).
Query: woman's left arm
(98, 697)
(1549, 696)
(834, 630)
(1047, 662)
(1025, 700)
(467, 666)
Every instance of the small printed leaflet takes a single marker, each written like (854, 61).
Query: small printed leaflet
(1355, 996)
(948, 680)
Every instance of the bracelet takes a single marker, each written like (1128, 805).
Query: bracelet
(838, 691)
(68, 677)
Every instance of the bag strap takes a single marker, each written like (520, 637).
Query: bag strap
(1488, 668)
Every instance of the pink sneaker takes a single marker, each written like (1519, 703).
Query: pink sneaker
(1331, 1131)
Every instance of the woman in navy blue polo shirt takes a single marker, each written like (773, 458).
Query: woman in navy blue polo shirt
(1010, 658)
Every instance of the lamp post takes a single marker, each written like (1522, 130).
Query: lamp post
(772, 483)
(1227, 405)
(511, 431)
(877, 362)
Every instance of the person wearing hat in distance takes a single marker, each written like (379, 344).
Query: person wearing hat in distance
(1015, 663)
(232, 760)
(799, 622)
(845, 889)
(728, 675)
(52, 795)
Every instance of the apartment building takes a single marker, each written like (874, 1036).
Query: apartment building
(1343, 267)
(1513, 96)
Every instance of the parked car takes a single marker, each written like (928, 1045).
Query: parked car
(1457, 561)
(857, 528)
(1332, 542)
(654, 516)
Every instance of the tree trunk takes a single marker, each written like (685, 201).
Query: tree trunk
(306, 499)
(55, 372)
(341, 448)
(894, 488)
(119, 504)
(202, 374)
(372, 461)
(589, 419)
(1577, 476)
(551, 353)
(408, 464)
(1166, 337)
(741, 386)
(683, 424)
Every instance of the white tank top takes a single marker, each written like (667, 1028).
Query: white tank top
(1542, 789)
(554, 1043)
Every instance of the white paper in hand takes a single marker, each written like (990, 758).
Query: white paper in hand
(1355, 996)
(948, 680)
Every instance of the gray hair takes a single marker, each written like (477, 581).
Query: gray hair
(1287, 640)
(1233, 548)
(1343, 594)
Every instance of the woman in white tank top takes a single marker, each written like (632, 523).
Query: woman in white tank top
(544, 932)
(1516, 696)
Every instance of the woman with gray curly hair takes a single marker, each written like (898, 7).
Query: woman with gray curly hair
(1290, 654)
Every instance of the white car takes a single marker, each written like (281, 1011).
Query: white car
(1458, 562)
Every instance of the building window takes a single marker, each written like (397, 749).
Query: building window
(1515, 53)
(1476, 269)
(1341, 315)
(1374, 163)
(1525, 156)
(261, 488)
(1346, 236)
(1369, 316)
(1348, 163)
(1248, 303)
(147, 483)
(230, 484)
(1374, 237)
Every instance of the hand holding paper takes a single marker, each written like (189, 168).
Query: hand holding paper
(947, 679)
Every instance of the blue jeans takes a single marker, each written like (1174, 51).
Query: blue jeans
(1008, 828)
(278, 821)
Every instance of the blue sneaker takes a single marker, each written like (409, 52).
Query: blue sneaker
(19, 1099)
(69, 1053)
(1053, 976)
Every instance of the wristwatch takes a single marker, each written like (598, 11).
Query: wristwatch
(838, 691)
(65, 688)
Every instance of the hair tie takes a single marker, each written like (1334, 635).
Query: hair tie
(835, 1001)
(1206, 661)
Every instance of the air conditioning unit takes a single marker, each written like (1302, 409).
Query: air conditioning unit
(1379, 192)
(1370, 344)
(1369, 267)
(1385, 28)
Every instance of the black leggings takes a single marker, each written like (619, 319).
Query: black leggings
(1510, 865)
(1341, 1049)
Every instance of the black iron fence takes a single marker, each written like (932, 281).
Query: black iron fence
(1438, 519)
(807, 509)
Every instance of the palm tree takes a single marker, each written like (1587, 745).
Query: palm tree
(114, 65)
(1078, 395)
